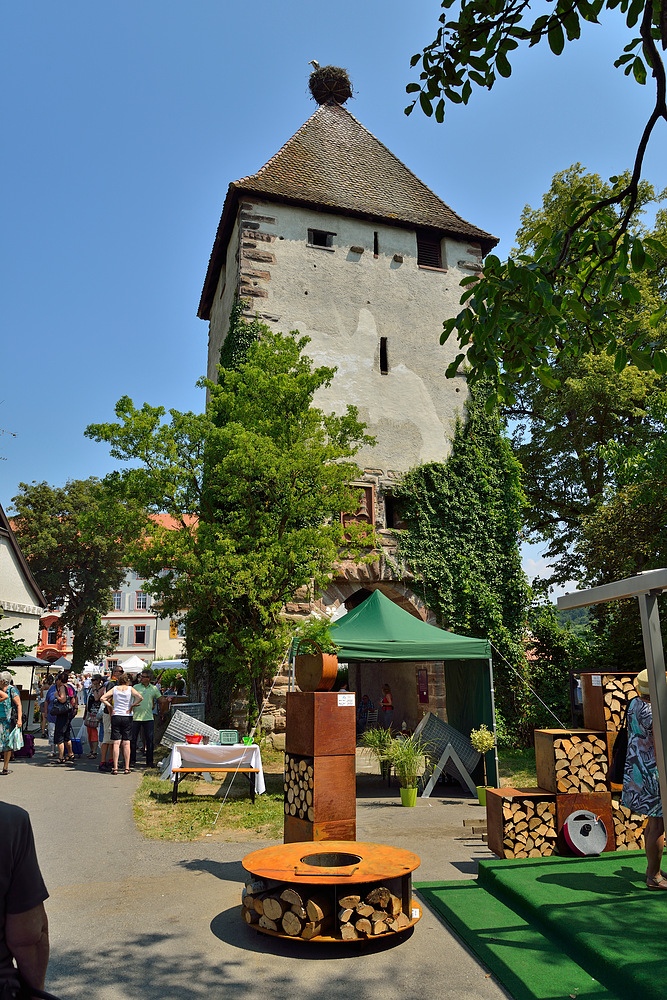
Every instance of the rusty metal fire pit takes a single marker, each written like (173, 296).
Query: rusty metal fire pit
(340, 890)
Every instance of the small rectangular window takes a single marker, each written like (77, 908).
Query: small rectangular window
(429, 252)
(117, 600)
(111, 664)
(141, 601)
(320, 238)
(391, 514)
(376, 245)
(115, 634)
(139, 635)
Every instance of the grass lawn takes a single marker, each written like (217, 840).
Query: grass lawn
(517, 768)
(199, 801)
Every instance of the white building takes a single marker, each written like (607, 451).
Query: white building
(139, 627)
(21, 600)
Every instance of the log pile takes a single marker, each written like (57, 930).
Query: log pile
(299, 785)
(628, 827)
(605, 699)
(571, 761)
(520, 823)
(307, 914)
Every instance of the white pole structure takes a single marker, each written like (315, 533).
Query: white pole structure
(646, 587)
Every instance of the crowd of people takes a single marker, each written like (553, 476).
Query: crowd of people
(118, 713)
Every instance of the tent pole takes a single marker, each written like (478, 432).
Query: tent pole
(493, 721)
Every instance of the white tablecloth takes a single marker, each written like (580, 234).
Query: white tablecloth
(230, 755)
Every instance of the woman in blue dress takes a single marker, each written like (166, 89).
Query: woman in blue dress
(641, 788)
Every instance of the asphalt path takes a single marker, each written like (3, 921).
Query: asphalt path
(134, 918)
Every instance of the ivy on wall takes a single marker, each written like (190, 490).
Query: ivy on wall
(463, 520)
(241, 335)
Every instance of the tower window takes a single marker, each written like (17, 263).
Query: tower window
(429, 253)
(384, 364)
(320, 238)
(376, 245)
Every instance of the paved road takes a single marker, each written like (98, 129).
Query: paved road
(133, 918)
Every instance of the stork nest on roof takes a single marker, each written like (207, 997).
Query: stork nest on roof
(330, 83)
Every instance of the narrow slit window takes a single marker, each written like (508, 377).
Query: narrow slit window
(429, 252)
(376, 245)
(384, 364)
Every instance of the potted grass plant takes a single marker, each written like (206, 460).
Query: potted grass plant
(316, 661)
(376, 743)
(483, 741)
(409, 758)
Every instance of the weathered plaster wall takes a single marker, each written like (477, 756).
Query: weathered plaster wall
(345, 301)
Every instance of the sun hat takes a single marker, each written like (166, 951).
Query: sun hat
(641, 681)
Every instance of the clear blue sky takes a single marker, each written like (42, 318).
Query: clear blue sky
(123, 125)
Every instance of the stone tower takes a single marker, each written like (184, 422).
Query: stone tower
(336, 238)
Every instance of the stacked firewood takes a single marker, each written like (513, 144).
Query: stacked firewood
(618, 691)
(581, 764)
(628, 827)
(529, 827)
(375, 913)
(289, 910)
(298, 785)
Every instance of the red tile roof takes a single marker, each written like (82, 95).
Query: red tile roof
(334, 163)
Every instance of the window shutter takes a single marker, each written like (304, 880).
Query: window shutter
(121, 632)
(148, 635)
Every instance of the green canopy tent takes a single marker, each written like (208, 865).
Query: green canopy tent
(378, 629)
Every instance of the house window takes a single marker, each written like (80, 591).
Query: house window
(117, 598)
(115, 634)
(141, 601)
(366, 510)
(429, 250)
(320, 238)
(52, 635)
(391, 515)
(384, 364)
(139, 635)
(112, 663)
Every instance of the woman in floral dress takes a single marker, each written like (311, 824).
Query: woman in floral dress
(641, 788)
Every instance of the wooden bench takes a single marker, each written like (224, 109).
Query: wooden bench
(249, 772)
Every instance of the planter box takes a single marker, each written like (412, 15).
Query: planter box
(571, 760)
(521, 822)
(317, 724)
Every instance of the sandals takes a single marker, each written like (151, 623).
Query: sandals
(126, 771)
(7, 770)
(657, 883)
(115, 771)
(71, 757)
(92, 756)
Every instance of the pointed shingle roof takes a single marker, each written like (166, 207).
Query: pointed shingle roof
(334, 163)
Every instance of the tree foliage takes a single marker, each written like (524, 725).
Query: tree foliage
(463, 521)
(10, 647)
(582, 278)
(255, 487)
(73, 538)
(560, 433)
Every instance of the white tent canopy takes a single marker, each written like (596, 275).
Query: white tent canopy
(133, 665)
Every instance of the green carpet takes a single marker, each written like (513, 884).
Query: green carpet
(538, 924)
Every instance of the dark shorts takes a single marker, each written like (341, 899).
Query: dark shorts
(63, 731)
(121, 727)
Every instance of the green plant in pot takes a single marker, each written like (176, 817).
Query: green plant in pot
(376, 743)
(483, 741)
(408, 755)
(316, 660)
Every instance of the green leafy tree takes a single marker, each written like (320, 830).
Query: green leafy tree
(255, 487)
(463, 521)
(559, 432)
(10, 647)
(74, 539)
(582, 277)
(554, 650)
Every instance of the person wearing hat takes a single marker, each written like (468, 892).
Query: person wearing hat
(641, 787)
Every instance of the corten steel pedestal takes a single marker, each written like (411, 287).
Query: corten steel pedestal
(320, 743)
